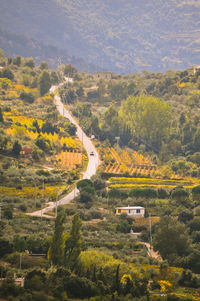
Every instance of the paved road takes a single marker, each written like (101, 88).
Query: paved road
(88, 145)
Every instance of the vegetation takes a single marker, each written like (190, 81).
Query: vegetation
(82, 250)
(124, 37)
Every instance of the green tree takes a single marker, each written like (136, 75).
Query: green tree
(171, 239)
(8, 213)
(196, 193)
(73, 242)
(44, 65)
(1, 116)
(30, 62)
(87, 191)
(80, 91)
(7, 73)
(56, 251)
(196, 140)
(179, 194)
(54, 77)
(16, 148)
(27, 96)
(44, 82)
(17, 61)
(70, 71)
(1, 53)
(101, 87)
(148, 118)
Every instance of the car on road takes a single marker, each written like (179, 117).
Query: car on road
(91, 153)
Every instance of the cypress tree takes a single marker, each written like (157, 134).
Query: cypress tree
(44, 82)
(56, 251)
(73, 243)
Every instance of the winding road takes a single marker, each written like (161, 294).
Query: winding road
(93, 160)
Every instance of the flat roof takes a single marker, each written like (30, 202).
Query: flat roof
(130, 207)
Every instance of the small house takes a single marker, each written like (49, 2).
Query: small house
(103, 75)
(135, 211)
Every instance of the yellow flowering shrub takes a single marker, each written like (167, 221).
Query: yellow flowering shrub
(166, 286)
(27, 192)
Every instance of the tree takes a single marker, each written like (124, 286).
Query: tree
(44, 82)
(80, 91)
(196, 192)
(1, 116)
(8, 213)
(171, 239)
(44, 65)
(56, 250)
(5, 247)
(1, 53)
(70, 71)
(54, 77)
(30, 62)
(17, 61)
(7, 73)
(73, 243)
(148, 118)
(111, 121)
(27, 96)
(179, 194)
(196, 140)
(16, 148)
(87, 191)
(185, 216)
(101, 87)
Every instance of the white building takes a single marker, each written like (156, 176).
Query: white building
(135, 211)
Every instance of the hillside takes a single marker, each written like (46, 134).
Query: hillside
(15, 44)
(124, 36)
(92, 248)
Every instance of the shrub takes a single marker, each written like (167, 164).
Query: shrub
(22, 207)
(162, 193)
(27, 96)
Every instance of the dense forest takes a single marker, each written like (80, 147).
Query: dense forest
(145, 128)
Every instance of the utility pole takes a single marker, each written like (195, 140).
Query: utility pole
(43, 190)
(150, 234)
(20, 261)
(117, 138)
(0, 211)
(35, 194)
(82, 152)
(56, 201)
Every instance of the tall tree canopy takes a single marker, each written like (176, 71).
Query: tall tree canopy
(73, 242)
(56, 251)
(148, 118)
(171, 239)
(44, 82)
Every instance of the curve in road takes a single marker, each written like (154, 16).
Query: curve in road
(93, 161)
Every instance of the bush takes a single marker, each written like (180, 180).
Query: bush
(35, 280)
(22, 207)
(27, 96)
(179, 194)
(78, 287)
(5, 247)
(162, 194)
(8, 214)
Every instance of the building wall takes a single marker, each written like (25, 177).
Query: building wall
(102, 75)
(131, 212)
